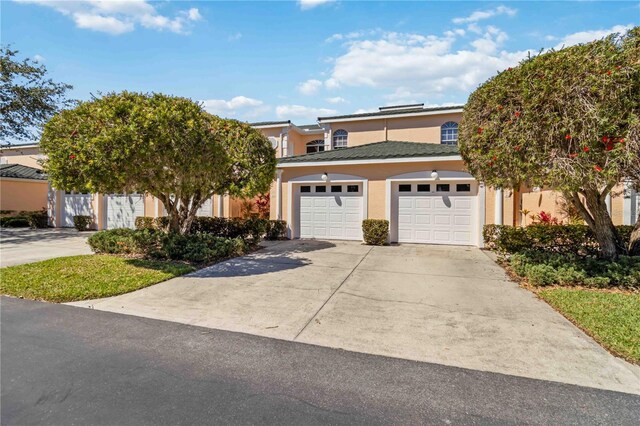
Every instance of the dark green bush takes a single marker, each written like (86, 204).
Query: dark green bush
(39, 219)
(567, 239)
(375, 231)
(547, 268)
(14, 222)
(144, 222)
(82, 223)
(276, 230)
(151, 243)
(161, 223)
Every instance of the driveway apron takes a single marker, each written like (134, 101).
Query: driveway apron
(440, 304)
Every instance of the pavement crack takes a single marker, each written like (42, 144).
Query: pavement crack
(332, 294)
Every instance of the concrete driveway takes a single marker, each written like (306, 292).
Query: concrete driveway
(23, 245)
(440, 304)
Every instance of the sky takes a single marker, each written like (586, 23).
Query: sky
(296, 60)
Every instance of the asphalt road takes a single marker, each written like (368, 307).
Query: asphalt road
(67, 365)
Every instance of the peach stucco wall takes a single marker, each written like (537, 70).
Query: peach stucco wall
(22, 195)
(376, 174)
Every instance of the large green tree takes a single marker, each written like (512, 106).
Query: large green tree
(28, 98)
(166, 146)
(568, 120)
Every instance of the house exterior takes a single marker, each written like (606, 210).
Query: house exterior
(402, 164)
(22, 188)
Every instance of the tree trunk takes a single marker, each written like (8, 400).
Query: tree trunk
(634, 242)
(594, 211)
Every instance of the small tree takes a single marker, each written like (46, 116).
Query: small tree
(166, 146)
(568, 120)
(27, 97)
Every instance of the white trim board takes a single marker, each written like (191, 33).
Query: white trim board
(387, 116)
(371, 161)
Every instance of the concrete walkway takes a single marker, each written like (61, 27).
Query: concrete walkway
(24, 245)
(439, 304)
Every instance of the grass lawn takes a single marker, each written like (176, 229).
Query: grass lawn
(613, 319)
(67, 279)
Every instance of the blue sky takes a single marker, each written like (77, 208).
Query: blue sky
(296, 60)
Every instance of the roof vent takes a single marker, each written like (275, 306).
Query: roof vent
(401, 107)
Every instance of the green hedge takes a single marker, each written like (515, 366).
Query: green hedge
(545, 268)
(375, 231)
(33, 219)
(561, 239)
(82, 222)
(248, 229)
(151, 243)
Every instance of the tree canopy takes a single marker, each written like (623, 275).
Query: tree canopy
(27, 97)
(166, 146)
(568, 120)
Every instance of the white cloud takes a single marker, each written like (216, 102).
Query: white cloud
(237, 107)
(303, 112)
(418, 66)
(310, 4)
(309, 87)
(587, 36)
(119, 16)
(234, 37)
(480, 15)
(39, 59)
(336, 100)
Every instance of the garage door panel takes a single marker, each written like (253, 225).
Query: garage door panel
(435, 217)
(122, 210)
(334, 215)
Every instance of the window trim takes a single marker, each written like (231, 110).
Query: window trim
(340, 133)
(317, 144)
(446, 131)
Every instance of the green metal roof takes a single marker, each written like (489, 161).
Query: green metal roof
(377, 151)
(269, 123)
(18, 171)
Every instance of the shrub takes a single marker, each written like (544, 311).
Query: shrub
(161, 223)
(39, 219)
(276, 230)
(14, 222)
(144, 222)
(565, 239)
(375, 231)
(81, 222)
(151, 243)
(546, 268)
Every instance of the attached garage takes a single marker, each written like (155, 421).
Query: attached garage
(122, 210)
(76, 205)
(331, 211)
(435, 212)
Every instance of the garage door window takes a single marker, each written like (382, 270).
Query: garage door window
(404, 188)
(305, 189)
(320, 188)
(424, 187)
(336, 188)
(463, 187)
(443, 187)
(352, 188)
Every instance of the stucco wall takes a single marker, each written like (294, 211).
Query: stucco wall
(25, 156)
(22, 195)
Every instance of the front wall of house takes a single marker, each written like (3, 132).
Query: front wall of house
(25, 156)
(419, 129)
(361, 132)
(23, 195)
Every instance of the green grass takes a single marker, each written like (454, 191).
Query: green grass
(613, 319)
(67, 279)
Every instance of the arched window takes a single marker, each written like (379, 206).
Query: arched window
(340, 139)
(315, 146)
(449, 133)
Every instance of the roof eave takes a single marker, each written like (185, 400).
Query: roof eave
(370, 161)
(338, 119)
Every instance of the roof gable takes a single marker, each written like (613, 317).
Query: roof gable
(18, 171)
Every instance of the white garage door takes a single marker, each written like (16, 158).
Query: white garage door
(331, 211)
(122, 210)
(436, 213)
(206, 209)
(75, 205)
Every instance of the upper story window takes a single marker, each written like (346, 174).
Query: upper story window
(340, 139)
(449, 133)
(315, 146)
